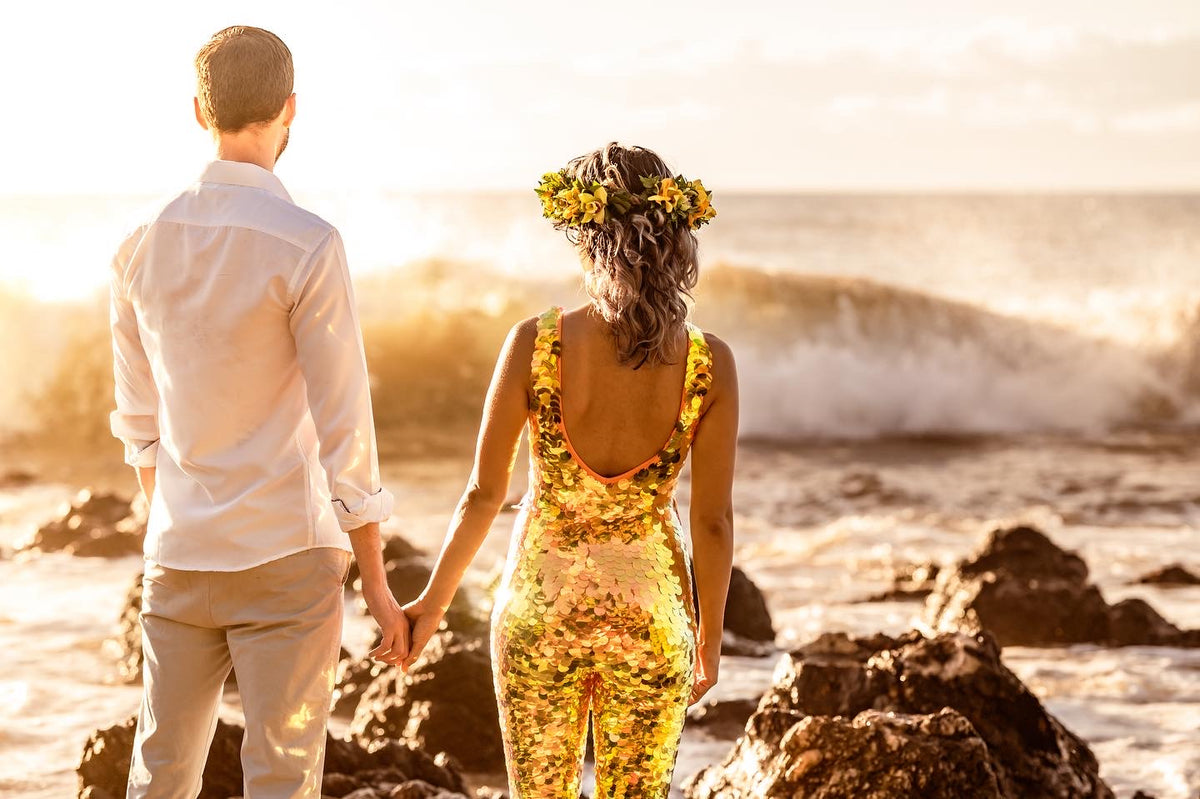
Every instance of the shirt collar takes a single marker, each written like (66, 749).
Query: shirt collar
(239, 173)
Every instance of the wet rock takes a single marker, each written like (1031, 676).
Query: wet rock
(721, 718)
(336, 784)
(873, 756)
(353, 677)
(734, 644)
(746, 611)
(1133, 622)
(407, 578)
(126, 644)
(1173, 575)
(1026, 591)
(378, 768)
(395, 548)
(94, 525)
(911, 581)
(954, 702)
(446, 702)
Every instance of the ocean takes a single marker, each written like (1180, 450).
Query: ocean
(982, 358)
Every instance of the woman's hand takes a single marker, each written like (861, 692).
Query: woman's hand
(393, 624)
(424, 616)
(708, 663)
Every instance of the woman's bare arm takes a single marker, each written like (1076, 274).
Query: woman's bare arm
(505, 413)
(713, 456)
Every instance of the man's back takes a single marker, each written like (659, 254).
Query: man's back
(223, 307)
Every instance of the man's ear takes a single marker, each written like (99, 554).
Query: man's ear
(289, 110)
(199, 114)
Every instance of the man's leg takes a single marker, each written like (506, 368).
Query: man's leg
(284, 626)
(186, 663)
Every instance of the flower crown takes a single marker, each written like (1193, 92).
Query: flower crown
(572, 203)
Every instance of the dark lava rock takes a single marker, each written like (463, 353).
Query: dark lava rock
(104, 769)
(872, 756)
(127, 642)
(446, 702)
(353, 677)
(721, 718)
(17, 478)
(955, 702)
(912, 581)
(746, 611)
(395, 548)
(1026, 591)
(1135, 622)
(94, 525)
(1172, 575)
(734, 644)
(407, 578)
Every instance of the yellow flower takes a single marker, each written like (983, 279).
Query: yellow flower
(669, 195)
(569, 203)
(594, 204)
(702, 209)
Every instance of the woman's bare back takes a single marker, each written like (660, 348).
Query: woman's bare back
(616, 417)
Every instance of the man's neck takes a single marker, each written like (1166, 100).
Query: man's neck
(246, 149)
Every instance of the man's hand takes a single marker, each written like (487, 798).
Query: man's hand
(425, 616)
(708, 663)
(393, 624)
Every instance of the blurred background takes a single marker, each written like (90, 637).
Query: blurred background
(957, 254)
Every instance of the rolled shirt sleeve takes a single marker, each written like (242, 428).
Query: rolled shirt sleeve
(135, 420)
(330, 351)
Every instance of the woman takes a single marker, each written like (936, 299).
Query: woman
(595, 609)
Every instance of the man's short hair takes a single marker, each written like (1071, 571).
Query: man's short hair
(244, 76)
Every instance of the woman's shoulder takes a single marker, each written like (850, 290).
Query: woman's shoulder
(721, 360)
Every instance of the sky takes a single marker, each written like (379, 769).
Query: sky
(471, 96)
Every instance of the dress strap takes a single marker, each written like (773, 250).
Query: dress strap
(697, 381)
(543, 373)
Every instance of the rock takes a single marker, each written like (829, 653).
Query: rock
(746, 611)
(353, 677)
(734, 644)
(94, 525)
(873, 756)
(407, 578)
(395, 548)
(954, 702)
(912, 581)
(17, 478)
(1026, 591)
(1172, 575)
(446, 702)
(378, 768)
(126, 644)
(721, 718)
(336, 784)
(1133, 622)
(1143, 795)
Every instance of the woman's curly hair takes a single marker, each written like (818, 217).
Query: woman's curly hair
(642, 268)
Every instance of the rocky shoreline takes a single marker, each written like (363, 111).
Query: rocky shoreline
(933, 713)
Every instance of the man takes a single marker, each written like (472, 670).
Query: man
(243, 402)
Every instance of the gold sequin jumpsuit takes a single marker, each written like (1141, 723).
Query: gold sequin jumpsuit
(595, 606)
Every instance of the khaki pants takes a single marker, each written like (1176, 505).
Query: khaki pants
(279, 627)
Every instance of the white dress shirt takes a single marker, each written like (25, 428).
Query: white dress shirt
(240, 375)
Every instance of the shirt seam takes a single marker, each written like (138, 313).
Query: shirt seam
(299, 245)
(304, 268)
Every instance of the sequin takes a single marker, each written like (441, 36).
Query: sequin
(594, 612)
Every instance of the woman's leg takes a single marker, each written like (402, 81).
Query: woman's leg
(638, 710)
(543, 702)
